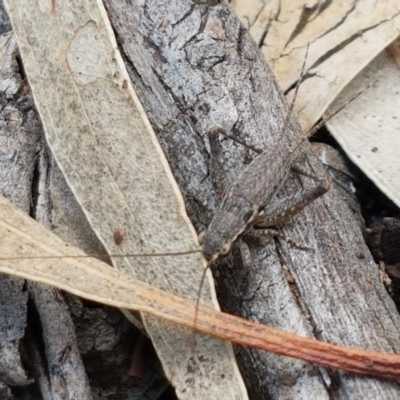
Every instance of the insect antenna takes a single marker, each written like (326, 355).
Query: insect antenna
(288, 116)
(102, 255)
(320, 124)
(323, 121)
(196, 312)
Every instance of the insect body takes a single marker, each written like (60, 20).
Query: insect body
(252, 193)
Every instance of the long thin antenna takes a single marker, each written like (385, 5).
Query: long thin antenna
(196, 311)
(323, 121)
(296, 91)
(101, 255)
(288, 116)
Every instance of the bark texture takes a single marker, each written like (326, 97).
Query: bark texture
(195, 67)
(17, 161)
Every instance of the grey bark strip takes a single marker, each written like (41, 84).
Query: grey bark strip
(21, 136)
(16, 163)
(195, 67)
(104, 145)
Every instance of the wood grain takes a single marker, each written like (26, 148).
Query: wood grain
(194, 67)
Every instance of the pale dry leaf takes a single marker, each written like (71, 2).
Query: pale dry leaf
(105, 146)
(368, 129)
(344, 36)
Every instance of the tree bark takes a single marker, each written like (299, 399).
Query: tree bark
(195, 67)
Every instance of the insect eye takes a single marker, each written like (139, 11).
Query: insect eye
(226, 248)
(201, 237)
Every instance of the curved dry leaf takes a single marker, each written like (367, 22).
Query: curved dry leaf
(368, 129)
(107, 150)
(344, 36)
(30, 251)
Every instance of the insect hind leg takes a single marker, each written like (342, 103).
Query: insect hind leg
(276, 215)
(264, 236)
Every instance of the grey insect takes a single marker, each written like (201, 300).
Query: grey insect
(249, 200)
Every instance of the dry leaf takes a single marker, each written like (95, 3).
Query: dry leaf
(104, 145)
(368, 129)
(344, 36)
